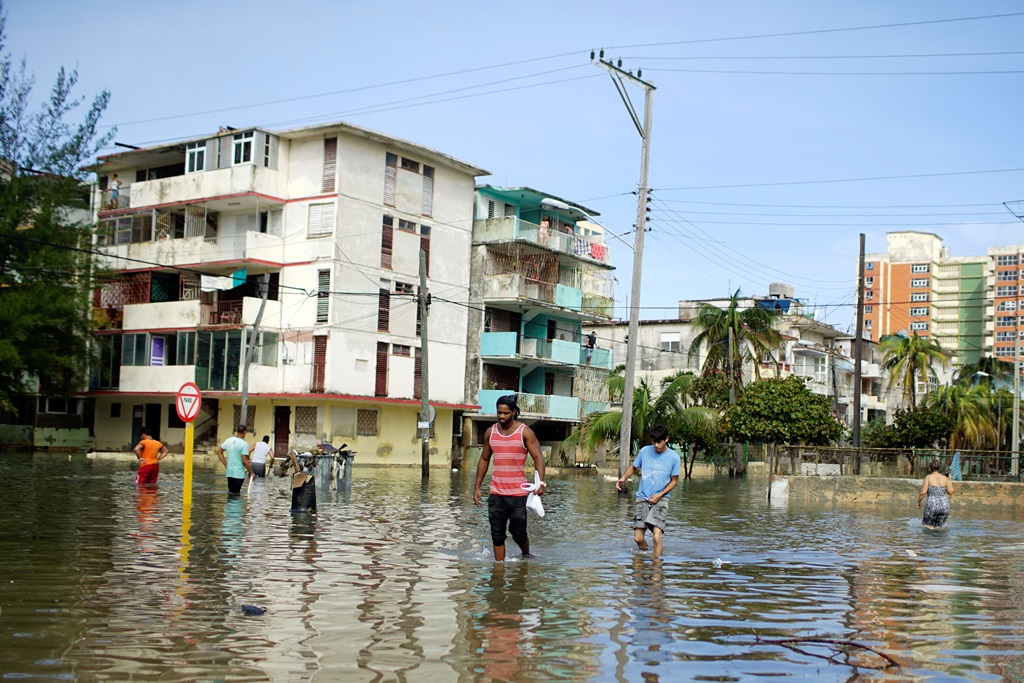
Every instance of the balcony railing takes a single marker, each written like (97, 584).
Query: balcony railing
(507, 228)
(223, 313)
(533, 405)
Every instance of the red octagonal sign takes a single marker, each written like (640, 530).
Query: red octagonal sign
(188, 401)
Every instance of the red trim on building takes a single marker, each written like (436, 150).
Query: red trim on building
(332, 397)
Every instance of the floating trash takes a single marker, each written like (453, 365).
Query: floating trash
(253, 610)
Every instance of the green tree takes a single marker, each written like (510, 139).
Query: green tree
(917, 427)
(910, 358)
(986, 370)
(781, 411)
(970, 410)
(753, 336)
(44, 236)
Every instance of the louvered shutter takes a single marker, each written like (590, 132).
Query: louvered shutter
(212, 158)
(417, 376)
(427, 207)
(390, 179)
(384, 311)
(225, 155)
(387, 242)
(272, 153)
(381, 384)
(330, 164)
(260, 148)
(316, 385)
(323, 295)
(425, 246)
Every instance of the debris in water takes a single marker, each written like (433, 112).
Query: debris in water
(253, 610)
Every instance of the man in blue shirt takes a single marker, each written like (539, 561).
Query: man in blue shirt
(234, 455)
(658, 466)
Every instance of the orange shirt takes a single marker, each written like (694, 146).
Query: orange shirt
(150, 450)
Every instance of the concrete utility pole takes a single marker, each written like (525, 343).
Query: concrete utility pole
(425, 417)
(250, 351)
(618, 79)
(1017, 209)
(858, 353)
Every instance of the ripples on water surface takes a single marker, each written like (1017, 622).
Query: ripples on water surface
(393, 581)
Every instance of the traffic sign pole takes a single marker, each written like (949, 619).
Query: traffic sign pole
(187, 403)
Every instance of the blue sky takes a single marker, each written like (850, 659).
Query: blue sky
(746, 124)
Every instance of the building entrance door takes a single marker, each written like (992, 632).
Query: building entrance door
(282, 424)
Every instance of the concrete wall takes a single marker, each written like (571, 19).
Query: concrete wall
(871, 490)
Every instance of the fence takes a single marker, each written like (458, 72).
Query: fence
(886, 462)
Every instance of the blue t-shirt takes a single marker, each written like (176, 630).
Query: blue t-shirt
(656, 471)
(234, 448)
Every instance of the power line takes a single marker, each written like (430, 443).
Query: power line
(841, 180)
(840, 73)
(831, 206)
(889, 56)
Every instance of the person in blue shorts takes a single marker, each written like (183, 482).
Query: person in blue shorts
(658, 466)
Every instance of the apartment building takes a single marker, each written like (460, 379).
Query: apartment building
(917, 286)
(302, 248)
(1005, 281)
(538, 275)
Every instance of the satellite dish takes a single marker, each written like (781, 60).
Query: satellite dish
(431, 413)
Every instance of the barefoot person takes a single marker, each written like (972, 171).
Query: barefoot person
(937, 487)
(508, 442)
(658, 466)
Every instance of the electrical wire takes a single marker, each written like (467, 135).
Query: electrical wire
(840, 180)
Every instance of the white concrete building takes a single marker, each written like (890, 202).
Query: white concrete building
(335, 216)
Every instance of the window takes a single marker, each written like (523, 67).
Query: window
(919, 282)
(267, 349)
(1006, 290)
(1006, 321)
(403, 288)
(219, 355)
(490, 208)
(919, 326)
(919, 296)
(427, 204)
(410, 165)
(670, 341)
(380, 386)
(867, 324)
(330, 165)
(869, 295)
(1006, 275)
(869, 282)
(115, 410)
(407, 226)
(1004, 351)
(869, 309)
(134, 350)
(305, 419)
(425, 246)
(250, 416)
(323, 295)
(195, 157)
(870, 265)
(53, 405)
(1007, 306)
(366, 423)
(387, 242)
(384, 307)
(316, 384)
(242, 148)
(321, 220)
(919, 268)
(1006, 260)
(401, 350)
(390, 178)
(1005, 336)
(918, 311)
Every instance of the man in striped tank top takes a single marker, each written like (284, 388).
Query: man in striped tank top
(508, 442)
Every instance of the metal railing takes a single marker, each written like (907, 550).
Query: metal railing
(975, 465)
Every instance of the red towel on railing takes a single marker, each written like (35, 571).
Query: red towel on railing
(597, 250)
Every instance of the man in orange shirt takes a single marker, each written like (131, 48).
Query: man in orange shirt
(149, 452)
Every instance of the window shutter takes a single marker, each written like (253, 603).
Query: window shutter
(427, 207)
(417, 376)
(384, 311)
(323, 295)
(330, 164)
(390, 179)
(425, 246)
(316, 385)
(419, 322)
(490, 208)
(260, 150)
(272, 152)
(381, 384)
(387, 242)
(225, 156)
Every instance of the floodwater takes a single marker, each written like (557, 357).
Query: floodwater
(393, 581)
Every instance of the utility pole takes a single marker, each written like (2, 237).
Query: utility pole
(1017, 209)
(858, 354)
(619, 78)
(425, 416)
(250, 351)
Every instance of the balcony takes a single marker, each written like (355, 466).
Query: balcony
(162, 315)
(192, 250)
(536, 351)
(248, 186)
(512, 228)
(150, 378)
(533, 405)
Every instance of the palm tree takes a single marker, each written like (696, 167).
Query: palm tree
(972, 410)
(990, 370)
(751, 330)
(906, 358)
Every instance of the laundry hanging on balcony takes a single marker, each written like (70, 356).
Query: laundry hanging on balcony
(212, 283)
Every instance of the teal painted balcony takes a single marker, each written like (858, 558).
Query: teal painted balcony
(532, 349)
(511, 228)
(532, 405)
(588, 407)
(602, 358)
(509, 287)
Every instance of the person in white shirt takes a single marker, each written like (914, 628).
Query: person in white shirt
(258, 456)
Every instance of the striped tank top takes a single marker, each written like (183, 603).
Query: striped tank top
(508, 455)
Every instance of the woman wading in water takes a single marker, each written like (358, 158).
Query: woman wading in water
(937, 487)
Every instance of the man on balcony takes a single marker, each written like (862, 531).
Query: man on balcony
(591, 343)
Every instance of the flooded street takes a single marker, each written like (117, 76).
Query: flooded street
(393, 581)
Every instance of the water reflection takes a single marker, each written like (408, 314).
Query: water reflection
(393, 580)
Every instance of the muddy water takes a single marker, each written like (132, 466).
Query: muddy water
(392, 581)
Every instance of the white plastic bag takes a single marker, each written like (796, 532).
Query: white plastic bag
(533, 502)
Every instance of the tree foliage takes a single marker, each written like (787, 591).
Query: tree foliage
(781, 411)
(919, 427)
(44, 235)
(910, 358)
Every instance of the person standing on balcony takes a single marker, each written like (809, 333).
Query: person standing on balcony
(234, 455)
(591, 343)
(150, 452)
(258, 456)
(115, 190)
(545, 230)
(658, 466)
(508, 442)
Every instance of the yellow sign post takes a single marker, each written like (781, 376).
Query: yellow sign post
(187, 402)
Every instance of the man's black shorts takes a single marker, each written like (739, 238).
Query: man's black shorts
(507, 511)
